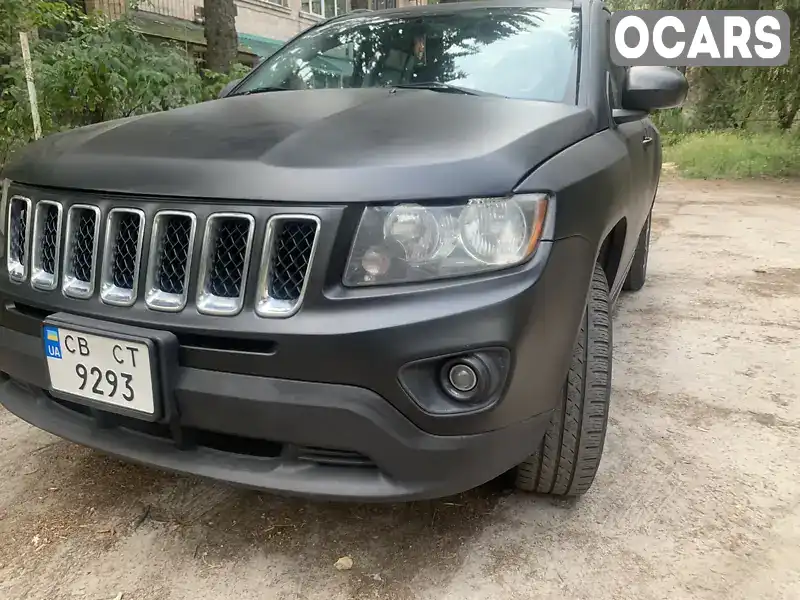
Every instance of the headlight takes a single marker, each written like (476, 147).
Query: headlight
(411, 242)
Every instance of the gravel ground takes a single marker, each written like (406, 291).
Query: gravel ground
(697, 496)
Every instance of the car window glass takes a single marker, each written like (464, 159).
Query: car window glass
(330, 69)
(615, 74)
(614, 91)
(527, 53)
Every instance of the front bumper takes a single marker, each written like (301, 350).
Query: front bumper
(413, 464)
(321, 412)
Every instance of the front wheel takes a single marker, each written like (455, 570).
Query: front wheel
(567, 461)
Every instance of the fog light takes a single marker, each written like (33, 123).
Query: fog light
(462, 377)
(467, 378)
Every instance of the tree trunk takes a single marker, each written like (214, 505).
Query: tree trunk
(222, 43)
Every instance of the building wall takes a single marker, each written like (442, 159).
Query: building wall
(278, 20)
(113, 8)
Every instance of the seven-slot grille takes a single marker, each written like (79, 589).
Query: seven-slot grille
(73, 245)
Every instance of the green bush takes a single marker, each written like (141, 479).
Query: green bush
(672, 121)
(735, 155)
(89, 70)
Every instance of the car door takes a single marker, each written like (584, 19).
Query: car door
(641, 140)
(633, 133)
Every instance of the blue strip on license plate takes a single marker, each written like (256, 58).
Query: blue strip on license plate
(52, 344)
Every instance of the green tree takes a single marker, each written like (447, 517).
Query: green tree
(89, 70)
(730, 97)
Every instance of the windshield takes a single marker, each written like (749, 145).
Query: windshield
(527, 53)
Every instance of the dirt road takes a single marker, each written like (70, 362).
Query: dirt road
(698, 495)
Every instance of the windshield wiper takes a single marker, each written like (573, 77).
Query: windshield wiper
(437, 86)
(261, 90)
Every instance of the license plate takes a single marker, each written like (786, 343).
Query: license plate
(104, 369)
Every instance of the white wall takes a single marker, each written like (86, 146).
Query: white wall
(255, 17)
(259, 17)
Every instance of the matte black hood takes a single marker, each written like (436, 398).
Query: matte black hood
(312, 146)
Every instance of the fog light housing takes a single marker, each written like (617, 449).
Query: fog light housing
(457, 383)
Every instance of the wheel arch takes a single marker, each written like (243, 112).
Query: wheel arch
(609, 256)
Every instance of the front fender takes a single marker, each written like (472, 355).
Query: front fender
(592, 183)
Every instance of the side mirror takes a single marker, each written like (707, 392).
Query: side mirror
(228, 87)
(651, 88)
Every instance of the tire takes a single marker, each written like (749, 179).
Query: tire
(567, 461)
(637, 274)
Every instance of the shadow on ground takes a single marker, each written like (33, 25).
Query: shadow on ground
(78, 503)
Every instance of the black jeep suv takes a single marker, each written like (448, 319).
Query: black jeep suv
(381, 267)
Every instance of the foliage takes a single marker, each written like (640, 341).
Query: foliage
(213, 82)
(88, 70)
(735, 155)
(737, 121)
(733, 97)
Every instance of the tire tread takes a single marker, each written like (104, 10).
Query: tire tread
(567, 461)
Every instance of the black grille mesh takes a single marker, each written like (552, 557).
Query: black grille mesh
(290, 252)
(174, 254)
(123, 266)
(83, 244)
(19, 229)
(334, 458)
(49, 239)
(227, 261)
(290, 259)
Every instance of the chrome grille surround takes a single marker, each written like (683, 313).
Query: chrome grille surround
(269, 304)
(114, 287)
(18, 238)
(46, 245)
(89, 245)
(84, 232)
(156, 297)
(208, 302)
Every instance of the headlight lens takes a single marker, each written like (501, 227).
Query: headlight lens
(411, 242)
